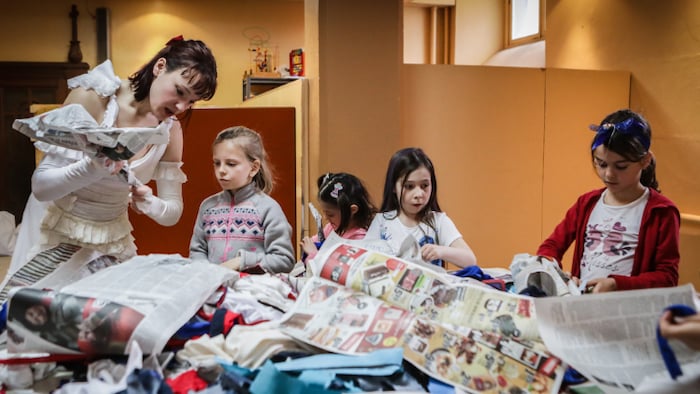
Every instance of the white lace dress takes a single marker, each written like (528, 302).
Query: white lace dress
(95, 216)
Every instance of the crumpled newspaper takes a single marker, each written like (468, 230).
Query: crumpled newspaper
(539, 272)
(319, 222)
(72, 127)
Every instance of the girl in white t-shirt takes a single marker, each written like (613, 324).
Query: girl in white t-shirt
(410, 207)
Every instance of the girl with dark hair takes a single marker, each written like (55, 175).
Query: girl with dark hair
(347, 207)
(82, 200)
(627, 233)
(410, 208)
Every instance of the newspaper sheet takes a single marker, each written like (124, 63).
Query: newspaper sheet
(72, 127)
(611, 338)
(55, 268)
(459, 331)
(428, 291)
(528, 270)
(342, 320)
(145, 299)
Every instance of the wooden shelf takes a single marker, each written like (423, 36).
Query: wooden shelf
(253, 86)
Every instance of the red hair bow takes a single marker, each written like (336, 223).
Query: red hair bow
(174, 39)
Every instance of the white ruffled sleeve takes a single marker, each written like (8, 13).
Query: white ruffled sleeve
(101, 79)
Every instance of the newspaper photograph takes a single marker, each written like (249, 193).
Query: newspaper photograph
(610, 338)
(429, 293)
(145, 299)
(41, 320)
(481, 362)
(337, 319)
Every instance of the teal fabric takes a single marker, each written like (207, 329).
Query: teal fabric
(271, 380)
(318, 374)
(380, 362)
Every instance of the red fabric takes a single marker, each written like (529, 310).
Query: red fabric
(230, 320)
(657, 256)
(186, 382)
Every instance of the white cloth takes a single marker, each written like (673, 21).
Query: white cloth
(8, 233)
(95, 215)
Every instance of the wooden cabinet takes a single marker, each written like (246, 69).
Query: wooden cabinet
(21, 85)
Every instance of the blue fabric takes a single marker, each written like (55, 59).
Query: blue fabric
(271, 380)
(320, 373)
(193, 329)
(304, 255)
(437, 387)
(377, 363)
(236, 379)
(572, 377)
(473, 271)
(631, 127)
(3, 317)
(674, 369)
(145, 381)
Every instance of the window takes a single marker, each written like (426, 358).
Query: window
(524, 21)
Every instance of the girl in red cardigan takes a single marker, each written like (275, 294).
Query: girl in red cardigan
(626, 233)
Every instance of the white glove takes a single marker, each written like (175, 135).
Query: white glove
(57, 177)
(166, 208)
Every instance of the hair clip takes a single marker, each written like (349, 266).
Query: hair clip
(174, 39)
(336, 188)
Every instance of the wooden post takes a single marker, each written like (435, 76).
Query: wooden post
(75, 55)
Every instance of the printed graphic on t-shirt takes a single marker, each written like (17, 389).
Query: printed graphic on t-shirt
(606, 247)
(612, 236)
(425, 240)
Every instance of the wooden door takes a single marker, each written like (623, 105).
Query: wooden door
(275, 125)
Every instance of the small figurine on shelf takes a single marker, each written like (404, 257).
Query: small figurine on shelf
(263, 63)
(296, 62)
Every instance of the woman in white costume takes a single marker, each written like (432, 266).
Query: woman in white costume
(83, 201)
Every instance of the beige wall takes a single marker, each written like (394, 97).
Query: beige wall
(657, 41)
(359, 88)
(509, 146)
(478, 30)
(416, 45)
(485, 140)
(38, 30)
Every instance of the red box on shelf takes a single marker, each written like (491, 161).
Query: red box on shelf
(296, 62)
